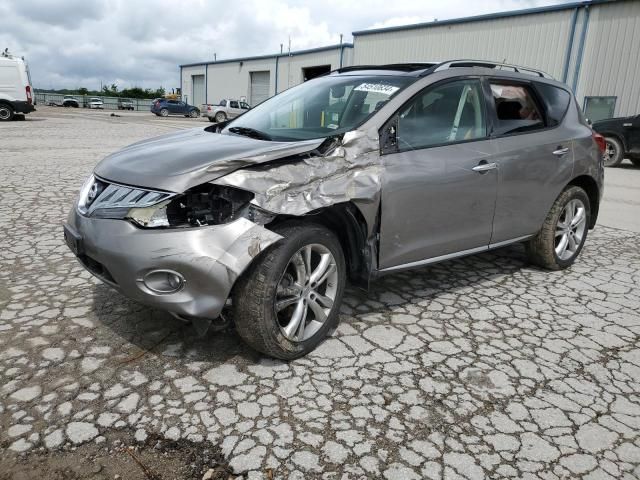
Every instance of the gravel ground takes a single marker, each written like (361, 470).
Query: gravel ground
(481, 367)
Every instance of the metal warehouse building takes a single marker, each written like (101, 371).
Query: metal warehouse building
(593, 46)
(258, 78)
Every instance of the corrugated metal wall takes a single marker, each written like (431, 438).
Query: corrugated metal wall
(537, 40)
(290, 68)
(609, 64)
(611, 61)
(233, 80)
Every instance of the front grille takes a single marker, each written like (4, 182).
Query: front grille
(112, 195)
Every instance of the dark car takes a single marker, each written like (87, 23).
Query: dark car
(164, 107)
(623, 139)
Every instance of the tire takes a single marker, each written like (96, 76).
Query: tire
(545, 249)
(6, 112)
(164, 112)
(271, 276)
(220, 117)
(193, 114)
(614, 152)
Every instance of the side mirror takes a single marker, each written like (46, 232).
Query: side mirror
(389, 137)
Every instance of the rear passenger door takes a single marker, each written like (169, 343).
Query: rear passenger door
(535, 153)
(234, 109)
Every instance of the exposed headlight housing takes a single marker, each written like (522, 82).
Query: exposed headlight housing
(200, 206)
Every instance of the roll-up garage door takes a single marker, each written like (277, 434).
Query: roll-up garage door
(198, 90)
(259, 91)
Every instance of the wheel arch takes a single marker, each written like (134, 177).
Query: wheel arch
(590, 186)
(348, 224)
(617, 136)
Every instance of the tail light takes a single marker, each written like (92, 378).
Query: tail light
(600, 141)
(29, 95)
(208, 108)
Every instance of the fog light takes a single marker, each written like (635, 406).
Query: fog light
(163, 281)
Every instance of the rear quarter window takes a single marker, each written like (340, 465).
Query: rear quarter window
(556, 101)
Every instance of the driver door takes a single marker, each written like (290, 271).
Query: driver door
(440, 179)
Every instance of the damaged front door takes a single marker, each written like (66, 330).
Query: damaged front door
(440, 179)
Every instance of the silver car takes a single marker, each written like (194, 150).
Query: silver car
(356, 174)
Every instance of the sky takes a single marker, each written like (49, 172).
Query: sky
(86, 43)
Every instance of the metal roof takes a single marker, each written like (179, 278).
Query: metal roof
(489, 16)
(273, 55)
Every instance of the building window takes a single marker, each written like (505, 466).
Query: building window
(599, 108)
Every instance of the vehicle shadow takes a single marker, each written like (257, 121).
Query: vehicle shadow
(158, 334)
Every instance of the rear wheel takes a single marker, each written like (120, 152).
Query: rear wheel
(288, 300)
(560, 240)
(6, 112)
(613, 153)
(220, 117)
(164, 112)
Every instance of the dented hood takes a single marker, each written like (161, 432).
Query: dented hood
(181, 160)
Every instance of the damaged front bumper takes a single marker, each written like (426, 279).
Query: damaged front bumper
(208, 260)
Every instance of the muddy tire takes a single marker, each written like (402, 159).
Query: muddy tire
(614, 152)
(288, 300)
(564, 231)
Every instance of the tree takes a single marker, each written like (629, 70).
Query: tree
(83, 91)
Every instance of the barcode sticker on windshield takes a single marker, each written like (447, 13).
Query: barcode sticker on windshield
(377, 88)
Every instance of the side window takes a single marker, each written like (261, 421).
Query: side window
(233, 104)
(223, 103)
(516, 109)
(244, 106)
(556, 102)
(449, 113)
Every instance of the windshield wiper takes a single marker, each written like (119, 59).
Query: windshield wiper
(250, 132)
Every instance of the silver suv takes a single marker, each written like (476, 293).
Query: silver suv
(365, 171)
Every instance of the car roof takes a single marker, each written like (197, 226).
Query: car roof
(421, 69)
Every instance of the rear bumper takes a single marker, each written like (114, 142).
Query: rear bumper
(23, 107)
(210, 259)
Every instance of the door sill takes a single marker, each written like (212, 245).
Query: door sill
(450, 256)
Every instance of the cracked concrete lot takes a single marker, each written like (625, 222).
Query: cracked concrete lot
(481, 367)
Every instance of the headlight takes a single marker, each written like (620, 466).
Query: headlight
(203, 205)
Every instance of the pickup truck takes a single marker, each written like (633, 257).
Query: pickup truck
(226, 110)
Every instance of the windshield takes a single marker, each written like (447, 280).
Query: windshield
(320, 108)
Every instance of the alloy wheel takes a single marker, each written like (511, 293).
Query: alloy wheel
(610, 153)
(5, 113)
(306, 292)
(570, 229)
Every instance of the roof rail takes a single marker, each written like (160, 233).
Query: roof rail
(488, 64)
(403, 67)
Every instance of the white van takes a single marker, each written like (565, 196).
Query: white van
(16, 93)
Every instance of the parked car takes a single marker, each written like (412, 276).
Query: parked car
(125, 104)
(164, 107)
(96, 102)
(623, 139)
(272, 212)
(16, 93)
(70, 101)
(226, 109)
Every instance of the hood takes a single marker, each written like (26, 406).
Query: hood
(187, 158)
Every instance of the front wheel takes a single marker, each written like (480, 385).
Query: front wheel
(613, 153)
(288, 300)
(6, 112)
(564, 231)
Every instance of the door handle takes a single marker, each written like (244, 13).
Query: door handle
(484, 167)
(560, 151)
